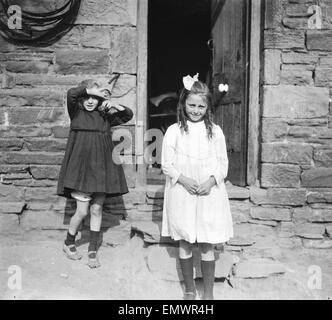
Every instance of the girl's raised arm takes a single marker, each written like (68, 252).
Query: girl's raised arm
(120, 117)
(72, 97)
(221, 169)
(168, 155)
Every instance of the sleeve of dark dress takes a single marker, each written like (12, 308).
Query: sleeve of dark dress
(72, 97)
(120, 117)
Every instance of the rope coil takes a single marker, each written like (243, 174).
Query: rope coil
(40, 29)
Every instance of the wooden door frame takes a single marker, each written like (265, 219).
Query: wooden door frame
(253, 91)
(142, 90)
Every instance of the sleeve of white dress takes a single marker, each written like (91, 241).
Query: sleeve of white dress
(220, 172)
(168, 155)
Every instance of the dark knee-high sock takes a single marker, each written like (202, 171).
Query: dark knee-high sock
(208, 269)
(70, 239)
(94, 237)
(187, 267)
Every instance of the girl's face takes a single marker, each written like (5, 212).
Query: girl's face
(90, 103)
(195, 107)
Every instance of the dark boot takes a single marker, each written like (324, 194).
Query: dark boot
(187, 267)
(208, 269)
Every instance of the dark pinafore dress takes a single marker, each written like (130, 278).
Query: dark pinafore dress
(88, 165)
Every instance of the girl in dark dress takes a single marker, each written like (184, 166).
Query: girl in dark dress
(89, 172)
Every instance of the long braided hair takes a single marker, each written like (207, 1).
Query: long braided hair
(201, 89)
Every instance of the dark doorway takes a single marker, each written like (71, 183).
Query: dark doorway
(178, 33)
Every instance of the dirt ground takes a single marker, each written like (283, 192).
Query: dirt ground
(124, 273)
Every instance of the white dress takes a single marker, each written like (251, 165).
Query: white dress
(192, 217)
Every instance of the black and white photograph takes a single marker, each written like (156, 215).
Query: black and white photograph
(165, 150)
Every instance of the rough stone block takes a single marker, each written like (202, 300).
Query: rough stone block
(39, 206)
(11, 144)
(321, 215)
(319, 40)
(26, 116)
(11, 194)
(41, 194)
(264, 222)
(258, 268)
(292, 57)
(96, 37)
(45, 172)
(27, 66)
(287, 153)
(9, 223)
(71, 39)
(272, 66)
(31, 97)
(286, 229)
(235, 192)
(296, 75)
(11, 207)
(273, 13)
(42, 220)
(45, 145)
(317, 177)
(302, 133)
(317, 244)
(295, 102)
(60, 132)
(323, 76)
(270, 213)
(302, 214)
(118, 12)
(295, 23)
(298, 10)
(21, 132)
(323, 157)
(82, 61)
(284, 39)
(274, 129)
(280, 175)
(32, 158)
(319, 195)
(310, 230)
(279, 196)
(124, 50)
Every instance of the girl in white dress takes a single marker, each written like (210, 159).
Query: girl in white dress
(196, 206)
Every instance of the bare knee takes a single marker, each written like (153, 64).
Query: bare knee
(185, 249)
(207, 252)
(82, 210)
(96, 210)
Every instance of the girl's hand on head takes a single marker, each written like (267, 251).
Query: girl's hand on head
(189, 184)
(99, 92)
(205, 188)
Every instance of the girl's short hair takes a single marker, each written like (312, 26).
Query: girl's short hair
(199, 88)
(88, 84)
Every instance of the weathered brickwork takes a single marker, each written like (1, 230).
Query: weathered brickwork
(296, 149)
(34, 123)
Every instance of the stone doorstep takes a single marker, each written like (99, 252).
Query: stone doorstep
(258, 268)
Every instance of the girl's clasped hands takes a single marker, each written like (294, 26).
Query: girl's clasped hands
(193, 187)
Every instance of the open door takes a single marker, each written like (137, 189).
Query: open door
(230, 35)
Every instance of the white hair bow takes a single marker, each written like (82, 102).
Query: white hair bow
(188, 81)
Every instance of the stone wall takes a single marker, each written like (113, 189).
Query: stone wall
(296, 149)
(34, 80)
